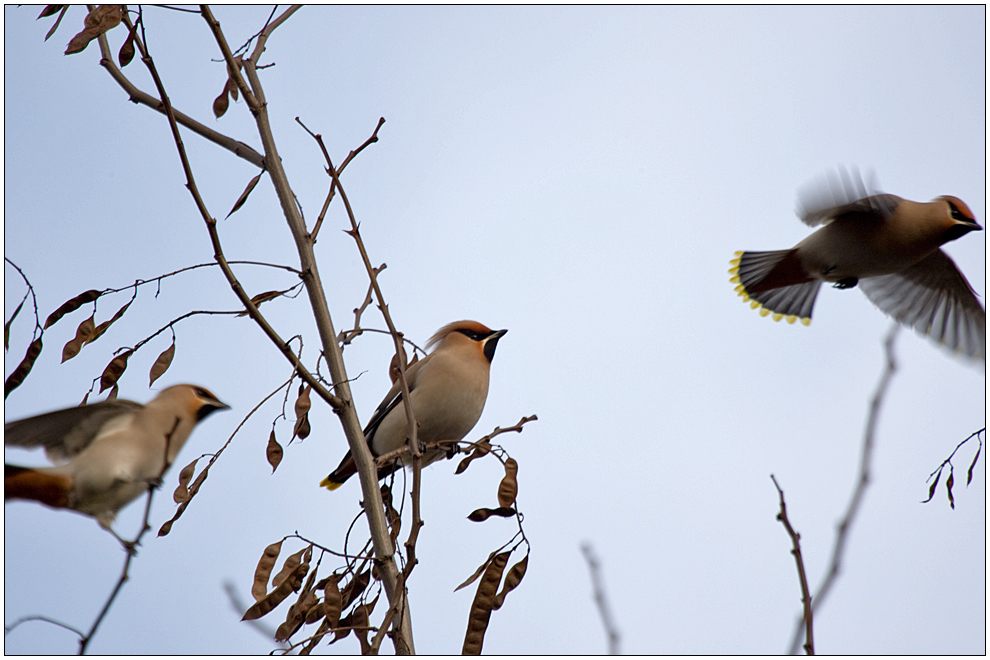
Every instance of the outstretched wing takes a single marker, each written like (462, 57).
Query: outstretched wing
(65, 433)
(841, 194)
(935, 299)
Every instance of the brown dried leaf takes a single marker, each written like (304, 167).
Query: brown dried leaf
(162, 363)
(948, 488)
(50, 10)
(181, 493)
(101, 328)
(113, 393)
(253, 182)
(931, 489)
(512, 580)
(481, 608)
(232, 86)
(483, 514)
(281, 592)
(969, 473)
(333, 603)
(263, 298)
(98, 21)
(220, 105)
(297, 612)
(480, 450)
(289, 567)
(273, 452)
(508, 487)
(303, 402)
(392, 516)
(166, 527)
(355, 588)
(74, 345)
(18, 375)
(476, 574)
(302, 428)
(361, 621)
(126, 53)
(6, 327)
(71, 306)
(58, 21)
(264, 569)
(343, 629)
(114, 370)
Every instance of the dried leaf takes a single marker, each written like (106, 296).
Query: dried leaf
(263, 298)
(162, 363)
(355, 588)
(58, 21)
(281, 592)
(482, 514)
(232, 85)
(302, 428)
(74, 345)
(114, 370)
(333, 603)
(969, 473)
(303, 402)
(481, 449)
(476, 574)
(290, 565)
(297, 611)
(71, 306)
(931, 489)
(273, 452)
(126, 53)
(343, 629)
(101, 328)
(113, 393)
(181, 493)
(948, 488)
(18, 375)
(251, 184)
(481, 608)
(264, 569)
(508, 487)
(166, 527)
(98, 21)
(361, 622)
(6, 327)
(50, 10)
(392, 516)
(221, 103)
(512, 580)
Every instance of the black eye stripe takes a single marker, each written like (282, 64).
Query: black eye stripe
(471, 334)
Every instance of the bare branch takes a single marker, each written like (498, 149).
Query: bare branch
(601, 600)
(809, 638)
(842, 534)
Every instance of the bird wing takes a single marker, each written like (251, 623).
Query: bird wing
(393, 398)
(843, 194)
(65, 433)
(935, 299)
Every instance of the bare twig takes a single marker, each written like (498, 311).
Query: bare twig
(594, 567)
(842, 533)
(809, 638)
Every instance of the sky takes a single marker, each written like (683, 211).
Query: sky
(580, 176)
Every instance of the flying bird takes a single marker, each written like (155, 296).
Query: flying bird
(106, 454)
(447, 391)
(887, 245)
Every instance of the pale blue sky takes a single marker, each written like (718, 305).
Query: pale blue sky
(580, 176)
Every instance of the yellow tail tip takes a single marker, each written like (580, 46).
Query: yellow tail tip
(330, 485)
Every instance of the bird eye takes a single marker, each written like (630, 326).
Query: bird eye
(203, 394)
(957, 214)
(470, 334)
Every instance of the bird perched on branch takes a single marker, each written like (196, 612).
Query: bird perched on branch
(447, 391)
(106, 453)
(887, 245)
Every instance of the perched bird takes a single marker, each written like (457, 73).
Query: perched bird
(106, 453)
(887, 245)
(447, 390)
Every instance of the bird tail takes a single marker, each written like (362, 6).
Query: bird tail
(20, 483)
(776, 283)
(348, 468)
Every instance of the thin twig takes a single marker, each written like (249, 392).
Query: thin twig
(809, 638)
(842, 533)
(594, 567)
